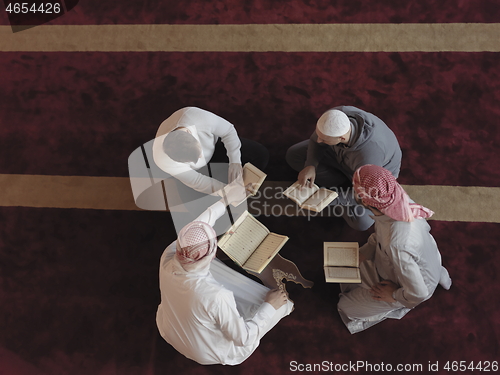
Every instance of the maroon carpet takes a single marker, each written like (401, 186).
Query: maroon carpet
(98, 12)
(79, 288)
(79, 295)
(83, 113)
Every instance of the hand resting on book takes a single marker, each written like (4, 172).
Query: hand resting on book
(307, 176)
(235, 192)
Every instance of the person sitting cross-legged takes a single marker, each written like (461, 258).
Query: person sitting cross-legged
(209, 312)
(400, 263)
(345, 139)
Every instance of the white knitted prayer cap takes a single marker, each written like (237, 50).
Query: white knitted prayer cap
(333, 123)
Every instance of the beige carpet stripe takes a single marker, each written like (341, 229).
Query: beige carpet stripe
(101, 193)
(451, 203)
(459, 203)
(455, 37)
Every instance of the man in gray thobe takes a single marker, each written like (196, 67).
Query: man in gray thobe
(345, 138)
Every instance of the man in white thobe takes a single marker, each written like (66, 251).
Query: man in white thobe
(401, 264)
(189, 139)
(209, 312)
(200, 151)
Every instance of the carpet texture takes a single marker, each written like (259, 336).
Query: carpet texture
(84, 113)
(96, 12)
(79, 292)
(79, 287)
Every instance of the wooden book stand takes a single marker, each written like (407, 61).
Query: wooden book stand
(280, 269)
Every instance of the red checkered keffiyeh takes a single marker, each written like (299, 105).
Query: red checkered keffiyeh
(196, 245)
(378, 188)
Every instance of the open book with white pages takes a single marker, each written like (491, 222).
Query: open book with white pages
(254, 176)
(310, 198)
(250, 244)
(341, 262)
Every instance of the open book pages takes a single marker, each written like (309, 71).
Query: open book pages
(341, 262)
(343, 254)
(244, 236)
(300, 195)
(319, 200)
(265, 252)
(342, 275)
(251, 175)
(250, 244)
(310, 198)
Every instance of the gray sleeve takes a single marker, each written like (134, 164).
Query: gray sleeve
(371, 154)
(383, 148)
(314, 151)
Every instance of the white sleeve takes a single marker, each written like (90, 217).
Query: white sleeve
(368, 249)
(413, 288)
(234, 327)
(227, 132)
(199, 182)
(212, 213)
(168, 254)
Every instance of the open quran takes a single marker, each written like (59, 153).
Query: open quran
(341, 262)
(250, 244)
(252, 175)
(310, 198)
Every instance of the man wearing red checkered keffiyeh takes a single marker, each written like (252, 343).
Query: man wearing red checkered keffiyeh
(209, 312)
(400, 264)
(196, 246)
(378, 188)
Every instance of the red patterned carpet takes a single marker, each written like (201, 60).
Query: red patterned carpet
(79, 288)
(83, 113)
(96, 12)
